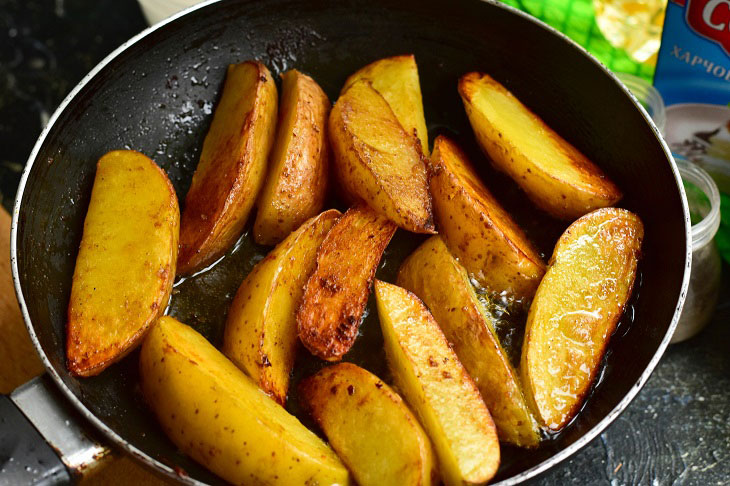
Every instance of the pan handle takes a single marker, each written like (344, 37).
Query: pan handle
(42, 439)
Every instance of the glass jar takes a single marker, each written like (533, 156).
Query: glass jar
(703, 199)
(649, 98)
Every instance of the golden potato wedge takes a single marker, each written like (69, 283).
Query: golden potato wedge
(337, 291)
(433, 274)
(375, 160)
(296, 184)
(126, 261)
(261, 331)
(396, 79)
(434, 382)
(477, 229)
(215, 414)
(555, 175)
(232, 167)
(576, 309)
(369, 426)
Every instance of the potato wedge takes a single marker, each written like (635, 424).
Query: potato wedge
(261, 329)
(369, 426)
(337, 291)
(231, 169)
(375, 160)
(576, 309)
(477, 229)
(215, 414)
(555, 175)
(296, 184)
(434, 382)
(126, 261)
(396, 79)
(433, 274)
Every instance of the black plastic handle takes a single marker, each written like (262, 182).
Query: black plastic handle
(25, 456)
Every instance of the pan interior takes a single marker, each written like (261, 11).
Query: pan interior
(158, 96)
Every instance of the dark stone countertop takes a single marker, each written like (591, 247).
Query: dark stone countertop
(676, 432)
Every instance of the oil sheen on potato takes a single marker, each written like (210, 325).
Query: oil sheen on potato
(576, 309)
(202, 301)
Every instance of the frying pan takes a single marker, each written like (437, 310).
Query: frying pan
(156, 94)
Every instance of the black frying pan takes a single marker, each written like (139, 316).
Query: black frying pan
(155, 94)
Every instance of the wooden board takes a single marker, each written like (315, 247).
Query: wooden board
(18, 359)
(19, 363)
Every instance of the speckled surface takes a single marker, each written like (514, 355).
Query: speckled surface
(676, 432)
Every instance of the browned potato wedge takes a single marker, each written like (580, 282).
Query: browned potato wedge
(337, 291)
(396, 79)
(555, 175)
(295, 188)
(215, 414)
(434, 275)
(477, 229)
(261, 329)
(576, 309)
(377, 161)
(126, 262)
(232, 167)
(434, 382)
(369, 426)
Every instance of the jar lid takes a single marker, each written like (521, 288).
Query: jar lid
(709, 210)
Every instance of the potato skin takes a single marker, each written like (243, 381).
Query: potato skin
(575, 311)
(433, 381)
(376, 161)
(369, 426)
(435, 276)
(396, 79)
(232, 166)
(126, 261)
(555, 175)
(337, 291)
(261, 330)
(216, 415)
(296, 184)
(477, 229)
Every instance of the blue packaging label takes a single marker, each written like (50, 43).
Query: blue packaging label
(693, 76)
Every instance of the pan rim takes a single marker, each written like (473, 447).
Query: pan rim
(168, 471)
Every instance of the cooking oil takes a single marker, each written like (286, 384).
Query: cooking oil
(632, 25)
